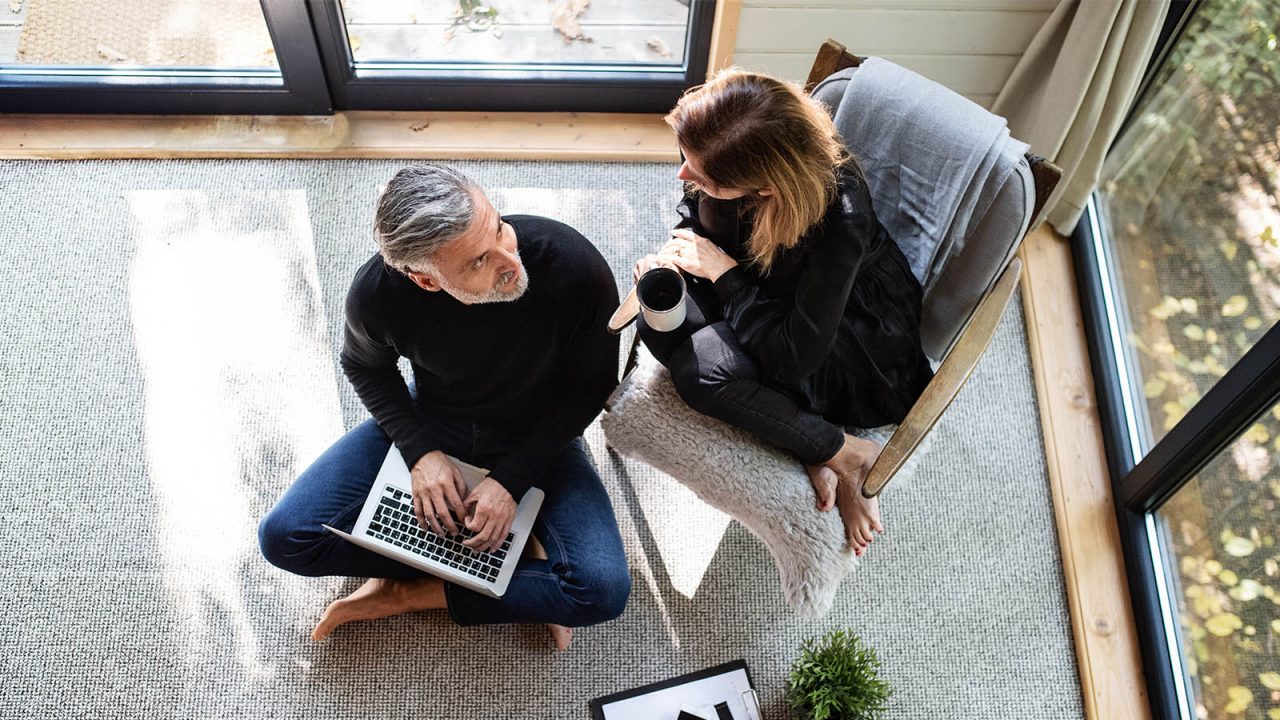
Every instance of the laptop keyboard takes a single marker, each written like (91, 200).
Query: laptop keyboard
(395, 523)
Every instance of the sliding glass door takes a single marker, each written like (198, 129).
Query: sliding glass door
(1179, 257)
(314, 56)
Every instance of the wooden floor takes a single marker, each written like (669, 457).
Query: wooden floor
(426, 135)
(1092, 560)
(1105, 641)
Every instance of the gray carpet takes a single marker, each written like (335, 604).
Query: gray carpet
(170, 334)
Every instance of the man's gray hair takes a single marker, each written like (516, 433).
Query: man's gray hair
(423, 208)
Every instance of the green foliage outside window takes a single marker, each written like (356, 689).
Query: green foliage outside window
(1191, 197)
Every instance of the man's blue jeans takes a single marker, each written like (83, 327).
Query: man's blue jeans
(584, 579)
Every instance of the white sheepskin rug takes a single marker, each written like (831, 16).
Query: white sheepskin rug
(761, 487)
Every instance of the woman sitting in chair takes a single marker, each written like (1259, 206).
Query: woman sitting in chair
(803, 315)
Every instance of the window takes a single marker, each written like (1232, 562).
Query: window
(1180, 261)
(1189, 202)
(1221, 528)
(310, 56)
(610, 55)
(171, 56)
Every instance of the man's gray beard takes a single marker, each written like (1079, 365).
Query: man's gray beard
(492, 295)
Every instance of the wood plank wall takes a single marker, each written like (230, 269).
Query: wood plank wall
(969, 46)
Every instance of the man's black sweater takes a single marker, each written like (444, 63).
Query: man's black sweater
(543, 364)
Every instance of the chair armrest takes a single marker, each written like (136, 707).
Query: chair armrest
(946, 383)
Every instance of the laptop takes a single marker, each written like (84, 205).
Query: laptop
(388, 526)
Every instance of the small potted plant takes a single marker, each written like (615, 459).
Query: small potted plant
(837, 678)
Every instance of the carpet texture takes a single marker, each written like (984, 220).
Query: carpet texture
(171, 331)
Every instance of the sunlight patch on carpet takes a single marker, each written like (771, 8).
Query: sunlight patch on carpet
(229, 328)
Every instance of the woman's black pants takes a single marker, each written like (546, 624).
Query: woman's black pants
(716, 377)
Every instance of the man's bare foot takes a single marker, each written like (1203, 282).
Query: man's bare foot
(380, 598)
(560, 635)
(824, 482)
(861, 515)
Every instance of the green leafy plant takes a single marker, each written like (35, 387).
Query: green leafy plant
(837, 678)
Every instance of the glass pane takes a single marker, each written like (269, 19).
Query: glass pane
(1190, 205)
(1220, 531)
(152, 33)
(598, 32)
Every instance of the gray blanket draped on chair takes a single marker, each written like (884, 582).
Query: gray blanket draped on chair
(955, 149)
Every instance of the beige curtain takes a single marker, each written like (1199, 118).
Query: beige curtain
(1071, 90)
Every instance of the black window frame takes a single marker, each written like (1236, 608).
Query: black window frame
(1141, 485)
(520, 87)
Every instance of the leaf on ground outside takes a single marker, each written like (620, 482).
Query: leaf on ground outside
(1168, 307)
(656, 44)
(1235, 306)
(112, 54)
(1248, 589)
(1239, 699)
(1239, 547)
(1191, 533)
(1258, 433)
(1223, 624)
(564, 18)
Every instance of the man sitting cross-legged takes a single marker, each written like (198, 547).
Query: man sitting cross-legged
(503, 320)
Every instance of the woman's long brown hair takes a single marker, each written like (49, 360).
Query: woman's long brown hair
(751, 132)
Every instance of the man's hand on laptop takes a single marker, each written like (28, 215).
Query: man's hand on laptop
(438, 487)
(492, 512)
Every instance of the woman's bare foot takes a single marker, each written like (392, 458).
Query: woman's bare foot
(561, 636)
(379, 598)
(824, 482)
(861, 515)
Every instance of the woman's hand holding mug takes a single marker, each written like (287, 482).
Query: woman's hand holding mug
(695, 255)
